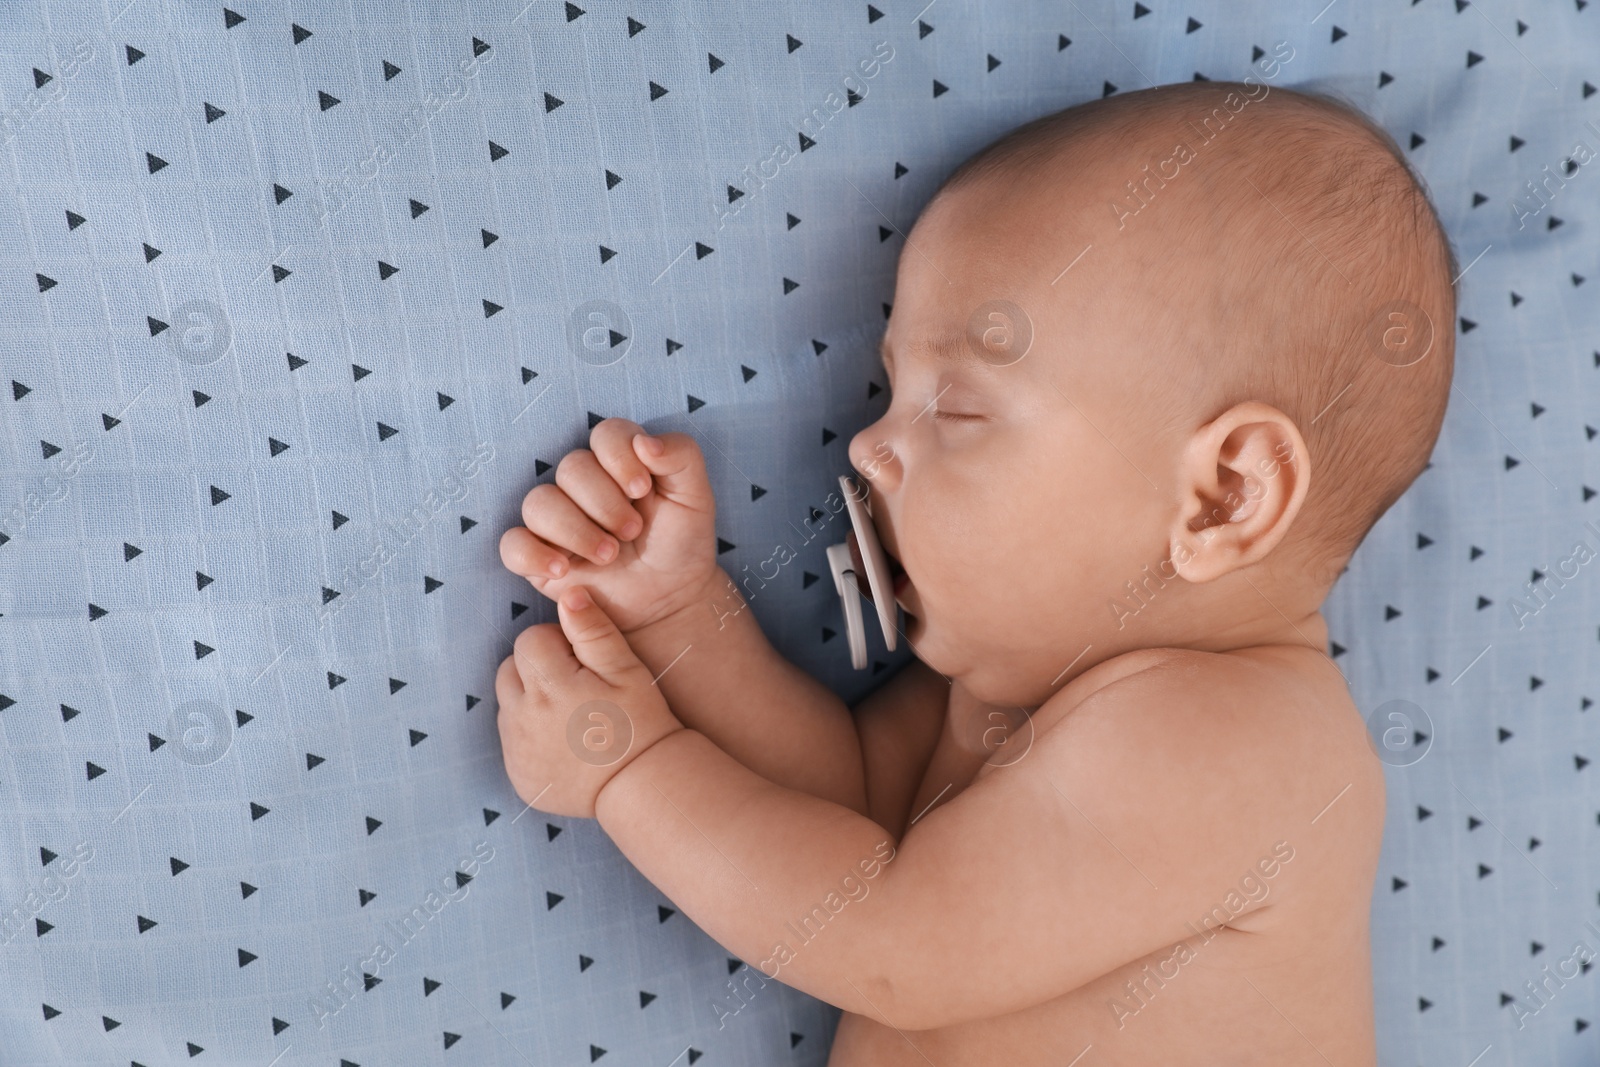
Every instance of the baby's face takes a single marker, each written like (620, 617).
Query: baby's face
(1005, 479)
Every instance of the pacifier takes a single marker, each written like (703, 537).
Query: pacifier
(861, 569)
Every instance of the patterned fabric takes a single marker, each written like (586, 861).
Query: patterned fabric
(298, 302)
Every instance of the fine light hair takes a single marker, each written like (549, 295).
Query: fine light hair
(1282, 257)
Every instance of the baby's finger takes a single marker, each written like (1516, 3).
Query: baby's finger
(508, 686)
(549, 513)
(586, 482)
(612, 442)
(544, 657)
(678, 467)
(524, 554)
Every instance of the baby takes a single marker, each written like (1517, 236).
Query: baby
(1158, 363)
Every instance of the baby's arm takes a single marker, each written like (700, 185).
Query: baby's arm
(724, 679)
(1127, 823)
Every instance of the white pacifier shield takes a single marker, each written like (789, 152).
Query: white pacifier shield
(873, 557)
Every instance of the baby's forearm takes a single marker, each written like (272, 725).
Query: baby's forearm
(762, 869)
(723, 678)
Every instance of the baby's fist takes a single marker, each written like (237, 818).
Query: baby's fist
(576, 707)
(631, 519)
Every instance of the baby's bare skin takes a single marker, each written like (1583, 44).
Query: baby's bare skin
(1298, 951)
(1170, 857)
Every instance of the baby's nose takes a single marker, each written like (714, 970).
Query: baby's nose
(871, 453)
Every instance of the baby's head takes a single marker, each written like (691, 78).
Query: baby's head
(1158, 363)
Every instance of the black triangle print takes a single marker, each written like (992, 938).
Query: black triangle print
(713, 63)
(634, 26)
(327, 100)
(389, 70)
(231, 18)
(656, 91)
(132, 53)
(299, 32)
(213, 113)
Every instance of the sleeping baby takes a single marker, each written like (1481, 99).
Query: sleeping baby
(1157, 364)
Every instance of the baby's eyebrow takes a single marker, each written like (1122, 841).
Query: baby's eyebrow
(945, 348)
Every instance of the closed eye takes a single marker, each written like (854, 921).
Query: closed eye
(951, 415)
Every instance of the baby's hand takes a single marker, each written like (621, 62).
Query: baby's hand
(576, 706)
(663, 553)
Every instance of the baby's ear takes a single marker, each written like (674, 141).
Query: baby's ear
(1243, 480)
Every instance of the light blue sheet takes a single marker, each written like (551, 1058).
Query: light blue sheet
(250, 597)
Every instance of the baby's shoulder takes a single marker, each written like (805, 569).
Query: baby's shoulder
(1261, 732)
